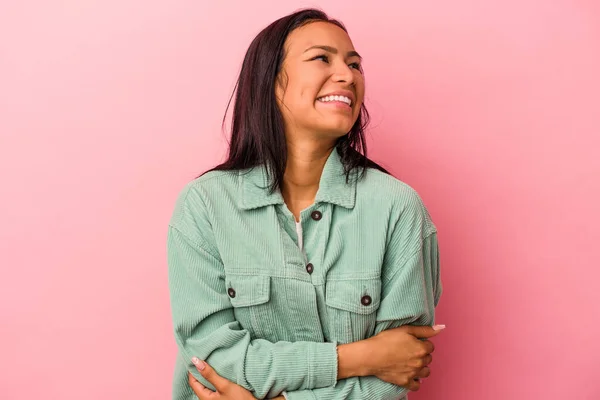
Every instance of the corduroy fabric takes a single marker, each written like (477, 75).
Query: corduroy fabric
(243, 300)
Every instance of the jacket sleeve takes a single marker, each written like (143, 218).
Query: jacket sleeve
(411, 290)
(205, 325)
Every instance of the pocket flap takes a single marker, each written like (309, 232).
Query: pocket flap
(248, 290)
(361, 296)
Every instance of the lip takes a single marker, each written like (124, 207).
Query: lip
(346, 93)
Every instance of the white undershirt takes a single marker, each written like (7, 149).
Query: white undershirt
(299, 232)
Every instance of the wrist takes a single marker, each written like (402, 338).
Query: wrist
(353, 359)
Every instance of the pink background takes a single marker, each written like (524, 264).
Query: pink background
(490, 109)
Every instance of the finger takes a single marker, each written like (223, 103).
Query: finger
(428, 346)
(414, 385)
(424, 372)
(427, 359)
(423, 331)
(211, 375)
(201, 391)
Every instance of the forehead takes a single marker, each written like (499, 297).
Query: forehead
(318, 33)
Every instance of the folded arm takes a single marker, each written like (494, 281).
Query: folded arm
(411, 290)
(205, 326)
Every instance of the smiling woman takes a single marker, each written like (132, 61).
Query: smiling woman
(298, 263)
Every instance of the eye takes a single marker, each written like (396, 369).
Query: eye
(355, 66)
(322, 57)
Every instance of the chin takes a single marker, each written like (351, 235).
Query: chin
(337, 128)
(341, 130)
(335, 133)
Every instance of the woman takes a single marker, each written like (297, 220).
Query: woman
(297, 267)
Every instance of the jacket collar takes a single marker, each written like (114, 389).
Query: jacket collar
(333, 188)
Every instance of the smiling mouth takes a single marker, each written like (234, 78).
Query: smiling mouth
(329, 99)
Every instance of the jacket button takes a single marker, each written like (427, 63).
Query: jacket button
(316, 215)
(366, 300)
(231, 292)
(309, 268)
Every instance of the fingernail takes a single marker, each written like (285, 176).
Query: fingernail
(438, 327)
(199, 364)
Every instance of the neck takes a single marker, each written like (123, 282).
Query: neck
(305, 163)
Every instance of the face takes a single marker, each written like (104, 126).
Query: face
(321, 87)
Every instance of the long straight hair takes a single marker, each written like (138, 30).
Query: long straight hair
(257, 131)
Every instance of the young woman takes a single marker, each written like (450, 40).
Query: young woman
(299, 268)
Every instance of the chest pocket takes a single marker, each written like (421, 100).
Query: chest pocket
(351, 308)
(250, 297)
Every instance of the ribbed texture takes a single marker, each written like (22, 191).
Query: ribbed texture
(243, 300)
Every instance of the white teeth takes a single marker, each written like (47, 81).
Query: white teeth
(336, 98)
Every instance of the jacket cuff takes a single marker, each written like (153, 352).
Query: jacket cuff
(323, 365)
(300, 395)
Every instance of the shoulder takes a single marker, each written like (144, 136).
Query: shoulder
(400, 200)
(194, 200)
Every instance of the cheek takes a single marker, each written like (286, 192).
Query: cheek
(303, 95)
(360, 92)
(301, 102)
(297, 96)
(360, 86)
(308, 94)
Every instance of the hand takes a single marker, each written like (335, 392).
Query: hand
(225, 389)
(399, 357)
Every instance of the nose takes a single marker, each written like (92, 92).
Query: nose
(343, 73)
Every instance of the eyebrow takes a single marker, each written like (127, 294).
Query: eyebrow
(333, 50)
